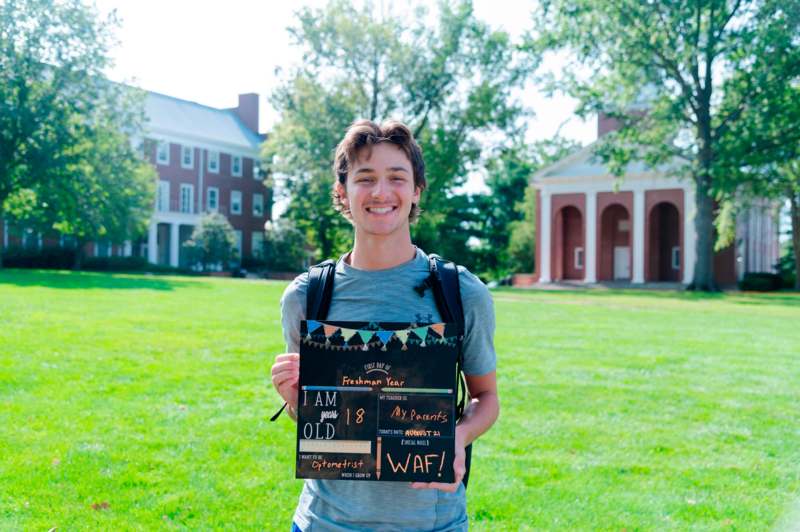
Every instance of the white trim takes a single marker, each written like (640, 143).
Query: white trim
(544, 267)
(689, 234)
(215, 208)
(213, 155)
(174, 237)
(675, 258)
(236, 193)
(638, 236)
(152, 242)
(590, 257)
(241, 165)
(190, 206)
(260, 203)
(202, 142)
(162, 196)
(184, 164)
(578, 259)
(159, 144)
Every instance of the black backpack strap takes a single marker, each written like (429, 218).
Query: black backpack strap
(320, 289)
(318, 297)
(444, 281)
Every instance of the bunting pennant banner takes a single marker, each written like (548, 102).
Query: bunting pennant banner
(373, 330)
(384, 336)
(365, 336)
(421, 332)
(348, 333)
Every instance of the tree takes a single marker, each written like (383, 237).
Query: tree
(508, 213)
(451, 83)
(284, 246)
(679, 76)
(212, 244)
(52, 55)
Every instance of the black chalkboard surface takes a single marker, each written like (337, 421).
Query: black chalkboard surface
(377, 401)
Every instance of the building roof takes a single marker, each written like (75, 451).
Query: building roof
(170, 115)
(584, 163)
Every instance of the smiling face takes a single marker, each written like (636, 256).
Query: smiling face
(379, 191)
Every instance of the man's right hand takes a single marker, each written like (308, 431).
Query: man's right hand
(286, 376)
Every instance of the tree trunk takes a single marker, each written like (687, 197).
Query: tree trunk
(3, 234)
(703, 279)
(794, 202)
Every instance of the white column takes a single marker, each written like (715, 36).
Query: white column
(638, 236)
(689, 234)
(173, 244)
(544, 233)
(591, 237)
(126, 249)
(152, 243)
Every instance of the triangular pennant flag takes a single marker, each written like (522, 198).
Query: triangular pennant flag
(330, 330)
(365, 335)
(348, 333)
(312, 326)
(402, 335)
(438, 328)
(421, 332)
(385, 336)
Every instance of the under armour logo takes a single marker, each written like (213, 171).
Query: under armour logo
(422, 318)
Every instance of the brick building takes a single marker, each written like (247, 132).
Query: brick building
(207, 161)
(588, 230)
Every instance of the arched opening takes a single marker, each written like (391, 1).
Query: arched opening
(569, 244)
(666, 255)
(615, 244)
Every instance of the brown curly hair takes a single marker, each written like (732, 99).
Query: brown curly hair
(363, 134)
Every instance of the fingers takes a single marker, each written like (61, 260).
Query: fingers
(450, 488)
(286, 376)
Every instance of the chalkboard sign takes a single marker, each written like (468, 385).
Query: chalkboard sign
(377, 401)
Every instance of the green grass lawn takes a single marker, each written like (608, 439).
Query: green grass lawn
(141, 402)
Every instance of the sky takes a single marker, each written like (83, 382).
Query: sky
(209, 52)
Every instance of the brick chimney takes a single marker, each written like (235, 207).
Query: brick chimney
(606, 124)
(248, 110)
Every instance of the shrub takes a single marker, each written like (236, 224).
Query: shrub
(213, 243)
(761, 282)
(47, 258)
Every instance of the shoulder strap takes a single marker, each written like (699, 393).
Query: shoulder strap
(444, 281)
(318, 297)
(320, 289)
(447, 291)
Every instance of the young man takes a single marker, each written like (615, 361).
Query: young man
(380, 176)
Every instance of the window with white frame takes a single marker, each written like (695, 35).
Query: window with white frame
(213, 161)
(187, 198)
(257, 244)
(676, 258)
(578, 258)
(162, 204)
(258, 204)
(236, 166)
(238, 242)
(236, 202)
(212, 199)
(162, 152)
(187, 157)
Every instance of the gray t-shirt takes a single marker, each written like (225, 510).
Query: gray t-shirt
(388, 295)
